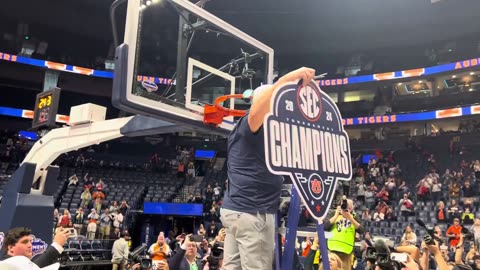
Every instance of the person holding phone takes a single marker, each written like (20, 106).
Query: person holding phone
(159, 251)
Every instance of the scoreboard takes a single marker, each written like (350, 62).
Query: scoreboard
(46, 107)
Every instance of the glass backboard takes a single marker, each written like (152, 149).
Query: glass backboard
(177, 57)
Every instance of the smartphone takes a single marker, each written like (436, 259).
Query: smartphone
(197, 238)
(399, 257)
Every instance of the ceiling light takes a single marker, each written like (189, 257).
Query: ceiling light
(472, 73)
(454, 76)
(149, 2)
(155, 1)
(420, 81)
(471, 89)
(143, 6)
(399, 83)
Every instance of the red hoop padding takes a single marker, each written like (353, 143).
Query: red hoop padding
(214, 114)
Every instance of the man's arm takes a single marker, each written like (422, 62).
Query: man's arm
(125, 251)
(327, 224)
(50, 256)
(261, 106)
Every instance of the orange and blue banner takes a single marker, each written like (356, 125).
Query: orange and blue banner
(331, 82)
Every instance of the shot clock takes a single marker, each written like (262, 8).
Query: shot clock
(46, 107)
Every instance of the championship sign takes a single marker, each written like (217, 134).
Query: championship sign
(305, 139)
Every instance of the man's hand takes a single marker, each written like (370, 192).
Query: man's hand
(347, 215)
(136, 266)
(61, 237)
(411, 264)
(304, 74)
(162, 265)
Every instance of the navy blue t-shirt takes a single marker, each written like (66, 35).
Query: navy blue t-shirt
(251, 187)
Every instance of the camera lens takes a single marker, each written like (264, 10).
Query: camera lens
(146, 264)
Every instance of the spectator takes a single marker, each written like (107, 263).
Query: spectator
(453, 233)
(467, 190)
(403, 188)
(98, 194)
(209, 194)
(88, 181)
(454, 210)
(92, 224)
(370, 198)
(366, 216)
(73, 180)
(120, 253)
(361, 188)
(467, 216)
(65, 218)
(79, 220)
(383, 195)
(447, 177)
(86, 198)
(159, 251)
(406, 206)
(114, 207)
(217, 192)
(454, 190)
(117, 219)
(105, 224)
(409, 238)
(115, 234)
(100, 186)
(381, 211)
(212, 231)
(201, 230)
(185, 257)
(441, 213)
(214, 212)
(475, 230)
(124, 207)
(98, 205)
(436, 190)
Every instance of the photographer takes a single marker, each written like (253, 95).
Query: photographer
(120, 252)
(343, 227)
(185, 257)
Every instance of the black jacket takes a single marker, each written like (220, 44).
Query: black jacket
(178, 261)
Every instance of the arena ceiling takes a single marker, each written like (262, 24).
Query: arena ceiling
(289, 26)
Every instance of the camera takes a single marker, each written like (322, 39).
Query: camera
(144, 260)
(380, 256)
(467, 235)
(344, 204)
(216, 255)
(431, 238)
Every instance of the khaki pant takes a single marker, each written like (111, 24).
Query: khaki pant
(119, 265)
(249, 240)
(104, 232)
(347, 260)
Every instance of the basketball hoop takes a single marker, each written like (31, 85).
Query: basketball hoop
(214, 114)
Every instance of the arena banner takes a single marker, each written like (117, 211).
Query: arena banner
(305, 139)
(394, 75)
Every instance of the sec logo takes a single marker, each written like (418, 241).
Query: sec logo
(308, 99)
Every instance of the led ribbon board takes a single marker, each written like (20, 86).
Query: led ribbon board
(305, 139)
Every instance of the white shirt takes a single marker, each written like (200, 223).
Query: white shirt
(120, 250)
